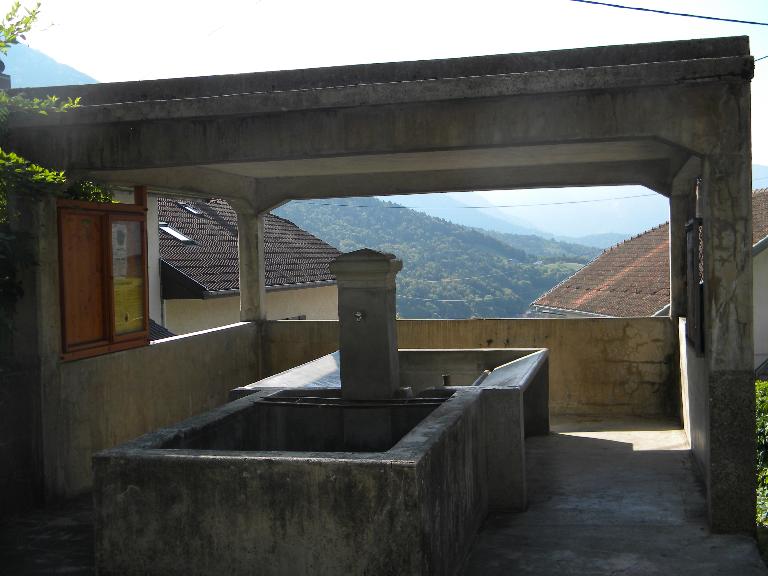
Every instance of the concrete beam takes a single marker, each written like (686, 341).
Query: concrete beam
(194, 181)
(398, 71)
(452, 85)
(652, 174)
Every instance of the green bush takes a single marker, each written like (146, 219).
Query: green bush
(761, 397)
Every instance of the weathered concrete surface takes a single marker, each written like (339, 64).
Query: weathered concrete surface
(368, 336)
(419, 370)
(251, 259)
(516, 402)
(623, 114)
(101, 402)
(429, 368)
(611, 498)
(289, 343)
(694, 385)
(596, 365)
(515, 399)
(28, 357)
(413, 509)
(726, 211)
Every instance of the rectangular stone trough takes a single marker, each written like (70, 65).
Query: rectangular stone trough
(267, 484)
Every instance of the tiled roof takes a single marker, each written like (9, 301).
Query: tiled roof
(157, 332)
(632, 278)
(293, 256)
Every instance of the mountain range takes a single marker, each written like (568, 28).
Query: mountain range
(449, 270)
(30, 68)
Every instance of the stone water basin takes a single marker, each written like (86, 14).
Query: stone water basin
(269, 484)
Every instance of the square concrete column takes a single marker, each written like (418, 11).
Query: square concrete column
(368, 334)
(30, 356)
(682, 198)
(728, 345)
(250, 245)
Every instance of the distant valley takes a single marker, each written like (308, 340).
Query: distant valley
(449, 270)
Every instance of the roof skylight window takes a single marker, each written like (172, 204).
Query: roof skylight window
(175, 233)
(189, 208)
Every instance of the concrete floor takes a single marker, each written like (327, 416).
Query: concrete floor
(54, 540)
(605, 498)
(610, 498)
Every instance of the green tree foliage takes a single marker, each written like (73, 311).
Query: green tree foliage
(548, 250)
(761, 397)
(449, 271)
(14, 26)
(18, 175)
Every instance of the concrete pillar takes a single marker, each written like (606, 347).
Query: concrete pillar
(682, 193)
(726, 209)
(250, 240)
(368, 334)
(29, 356)
(153, 261)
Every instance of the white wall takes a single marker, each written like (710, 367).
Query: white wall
(320, 303)
(153, 261)
(184, 316)
(760, 299)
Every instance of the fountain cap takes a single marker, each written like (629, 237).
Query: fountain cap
(366, 265)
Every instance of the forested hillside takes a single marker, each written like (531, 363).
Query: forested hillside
(449, 271)
(548, 250)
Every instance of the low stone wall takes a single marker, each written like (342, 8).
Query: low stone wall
(412, 510)
(617, 366)
(101, 402)
(694, 396)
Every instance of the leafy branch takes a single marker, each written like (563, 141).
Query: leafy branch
(14, 27)
(20, 176)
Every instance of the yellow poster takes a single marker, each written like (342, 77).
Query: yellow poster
(129, 304)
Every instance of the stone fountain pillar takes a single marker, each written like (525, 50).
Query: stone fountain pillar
(368, 342)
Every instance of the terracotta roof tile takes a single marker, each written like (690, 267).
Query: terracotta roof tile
(632, 278)
(293, 256)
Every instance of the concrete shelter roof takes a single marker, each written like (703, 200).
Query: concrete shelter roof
(590, 116)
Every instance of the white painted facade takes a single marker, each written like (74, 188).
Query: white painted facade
(182, 316)
(316, 303)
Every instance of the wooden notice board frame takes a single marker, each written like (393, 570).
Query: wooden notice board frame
(110, 341)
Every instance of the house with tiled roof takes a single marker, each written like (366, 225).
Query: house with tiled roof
(199, 272)
(632, 279)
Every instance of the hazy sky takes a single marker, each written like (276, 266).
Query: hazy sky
(116, 40)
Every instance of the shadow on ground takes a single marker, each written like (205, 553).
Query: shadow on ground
(56, 540)
(611, 498)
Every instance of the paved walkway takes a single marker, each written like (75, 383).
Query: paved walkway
(608, 498)
(616, 499)
(57, 540)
